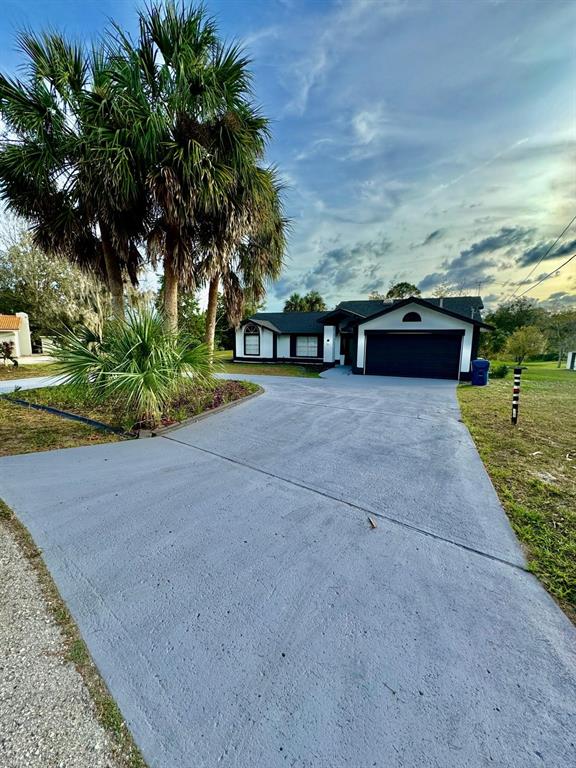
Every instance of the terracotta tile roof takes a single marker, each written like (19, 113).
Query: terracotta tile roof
(9, 323)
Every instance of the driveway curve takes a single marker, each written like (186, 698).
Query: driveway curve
(244, 612)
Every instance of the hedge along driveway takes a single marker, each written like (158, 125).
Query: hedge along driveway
(244, 612)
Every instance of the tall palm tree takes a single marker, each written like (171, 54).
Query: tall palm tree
(242, 244)
(64, 162)
(179, 76)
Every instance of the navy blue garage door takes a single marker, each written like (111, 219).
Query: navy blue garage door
(423, 355)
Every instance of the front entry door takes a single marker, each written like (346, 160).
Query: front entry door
(346, 347)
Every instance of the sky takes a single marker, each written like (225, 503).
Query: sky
(432, 141)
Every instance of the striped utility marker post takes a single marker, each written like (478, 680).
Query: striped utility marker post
(516, 394)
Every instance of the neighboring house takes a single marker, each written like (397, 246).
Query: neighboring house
(431, 338)
(16, 329)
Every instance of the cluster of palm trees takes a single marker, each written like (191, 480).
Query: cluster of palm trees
(152, 145)
(310, 302)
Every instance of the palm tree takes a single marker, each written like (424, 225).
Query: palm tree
(195, 91)
(64, 163)
(311, 302)
(294, 303)
(242, 244)
(314, 302)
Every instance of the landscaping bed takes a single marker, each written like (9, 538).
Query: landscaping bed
(190, 403)
(533, 467)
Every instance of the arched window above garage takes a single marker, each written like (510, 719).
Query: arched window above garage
(412, 317)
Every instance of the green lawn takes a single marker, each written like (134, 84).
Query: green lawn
(225, 365)
(23, 430)
(8, 372)
(533, 466)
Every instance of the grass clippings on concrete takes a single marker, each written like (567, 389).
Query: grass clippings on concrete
(533, 467)
(56, 710)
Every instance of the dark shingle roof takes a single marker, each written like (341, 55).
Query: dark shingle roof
(291, 322)
(308, 322)
(467, 306)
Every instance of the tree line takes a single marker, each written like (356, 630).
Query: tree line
(146, 150)
(524, 328)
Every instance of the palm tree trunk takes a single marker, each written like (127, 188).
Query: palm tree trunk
(211, 312)
(113, 274)
(170, 293)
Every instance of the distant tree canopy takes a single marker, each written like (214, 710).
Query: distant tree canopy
(515, 314)
(525, 342)
(402, 291)
(310, 302)
(555, 325)
(53, 292)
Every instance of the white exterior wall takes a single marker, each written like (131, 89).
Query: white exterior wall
(571, 361)
(283, 345)
(329, 343)
(266, 344)
(24, 334)
(431, 321)
(13, 337)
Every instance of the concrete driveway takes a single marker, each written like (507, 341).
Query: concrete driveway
(244, 613)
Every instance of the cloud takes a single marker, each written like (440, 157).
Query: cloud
(540, 251)
(344, 270)
(470, 268)
(436, 235)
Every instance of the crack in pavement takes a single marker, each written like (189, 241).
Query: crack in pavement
(393, 520)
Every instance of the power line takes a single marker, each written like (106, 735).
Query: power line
(554, 271)
(560, 236)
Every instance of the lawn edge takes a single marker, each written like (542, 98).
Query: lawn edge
(125, 751)
(566, 607)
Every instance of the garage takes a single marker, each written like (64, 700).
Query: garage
(430, 355)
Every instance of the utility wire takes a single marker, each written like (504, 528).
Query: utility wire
(560, 236)
(554, 271)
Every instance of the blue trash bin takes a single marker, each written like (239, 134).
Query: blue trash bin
(480, 369)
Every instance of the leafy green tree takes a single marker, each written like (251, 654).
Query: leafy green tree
(310, 302)
(560, 329)
(524, 342)
(402, 290)
(518, 313)
(53, 292)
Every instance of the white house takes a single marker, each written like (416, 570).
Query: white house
(432, 338)
(16, 329)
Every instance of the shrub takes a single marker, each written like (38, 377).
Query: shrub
(137, 362)
(499, 371)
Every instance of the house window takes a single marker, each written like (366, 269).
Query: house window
(306, 346)
(251, 340)
(412, 317)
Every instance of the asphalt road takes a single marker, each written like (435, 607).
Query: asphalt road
(244, 613)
